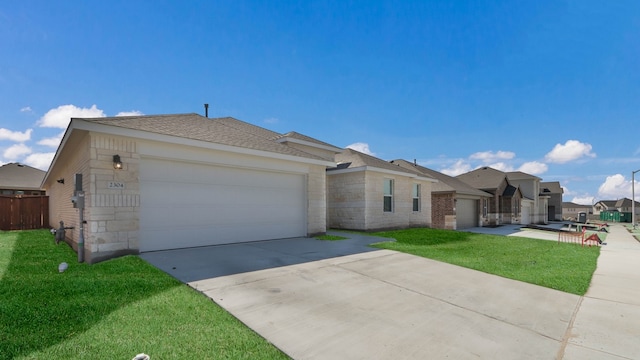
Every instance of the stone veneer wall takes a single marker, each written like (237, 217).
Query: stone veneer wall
(355, 202)
(113, 213)
(421, 218)
(316, 201)
(75, 160)
(346, 200)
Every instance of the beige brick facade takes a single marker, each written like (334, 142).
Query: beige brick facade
(112, 205)
(111, 215)
(355, 201)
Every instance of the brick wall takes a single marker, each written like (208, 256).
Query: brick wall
(442, 211)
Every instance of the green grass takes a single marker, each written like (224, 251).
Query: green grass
(635, 232)
(565, 267)
(110, 310)
(330, 237)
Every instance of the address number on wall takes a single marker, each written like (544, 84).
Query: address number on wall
(115, 185)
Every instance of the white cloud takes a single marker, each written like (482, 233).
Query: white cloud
(362, 147)
(129, 113)
(567, 192)
(271, 120)
(16, 151)
(571, 150)
(40, 160)
(16, 136)
(52, 141)
(490, 156)
(616, 187)
(60, 116)
(534, 168)
(26, 109)
(460, 167)
(583, 200)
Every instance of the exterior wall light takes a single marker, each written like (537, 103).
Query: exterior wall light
(60, 181)
(117, 163)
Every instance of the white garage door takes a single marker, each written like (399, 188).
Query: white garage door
(185, 205)
(466, 213)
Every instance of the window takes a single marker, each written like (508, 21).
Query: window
(485, 207)
(388, 195)
(416, 197)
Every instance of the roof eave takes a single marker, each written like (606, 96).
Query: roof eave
(80, 124)
(380, 170)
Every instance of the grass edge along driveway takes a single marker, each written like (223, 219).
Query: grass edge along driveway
(110, 310)
(560, 266)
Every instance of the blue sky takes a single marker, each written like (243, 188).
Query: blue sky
(551, 88)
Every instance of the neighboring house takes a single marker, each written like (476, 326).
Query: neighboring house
(623, 205)
(454, 204)
(570, 210)
(603, 205)
(534, 204)
(494, 182)
(20, 179)
(177, 181)
(554, 191)
(367, 193)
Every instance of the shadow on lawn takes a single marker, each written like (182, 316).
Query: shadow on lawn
(428, 236)
(41, 307)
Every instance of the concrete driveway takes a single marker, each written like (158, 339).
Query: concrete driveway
(342, 300)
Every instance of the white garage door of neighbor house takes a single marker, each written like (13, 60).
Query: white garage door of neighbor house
(466, 213)
(186, 205)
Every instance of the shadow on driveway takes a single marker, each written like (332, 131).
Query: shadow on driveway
(206, 262)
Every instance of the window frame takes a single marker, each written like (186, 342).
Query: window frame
(387, 198)
(415, 194)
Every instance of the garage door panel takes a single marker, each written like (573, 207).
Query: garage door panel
(466, 213)
(198, 205)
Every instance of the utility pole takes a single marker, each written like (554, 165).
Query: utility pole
(633, 198)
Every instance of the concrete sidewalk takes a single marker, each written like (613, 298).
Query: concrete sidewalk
(607, 325)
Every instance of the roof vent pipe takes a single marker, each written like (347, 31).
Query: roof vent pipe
(415, 163)
(206, 110)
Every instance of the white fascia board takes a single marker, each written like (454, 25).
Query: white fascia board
(64, 140)
(384, 171)
(145, 135)
(309, 143)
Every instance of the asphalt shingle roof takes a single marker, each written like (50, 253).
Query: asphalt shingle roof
(296, 135)
(553, 187)
(519, 175)
(20, 177)
(483, 178)
(445, 182)
(225, 131)
(349, 159)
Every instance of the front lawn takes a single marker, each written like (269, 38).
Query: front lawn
(565, 267)
(110, 310)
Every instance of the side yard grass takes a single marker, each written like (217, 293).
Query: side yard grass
(110, 310)
(635, 232)
(564, 267)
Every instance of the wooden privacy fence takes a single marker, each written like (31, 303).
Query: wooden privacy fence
(24, 212)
